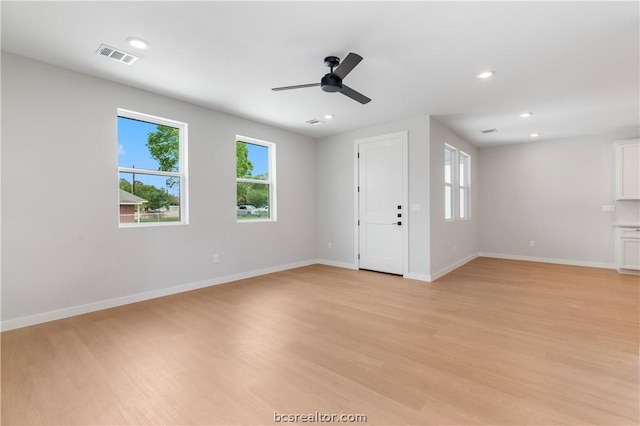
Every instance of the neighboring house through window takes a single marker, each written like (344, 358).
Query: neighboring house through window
(130, 207)
(255, 180)
(152, 170)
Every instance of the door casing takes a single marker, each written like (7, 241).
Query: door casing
(404, 137)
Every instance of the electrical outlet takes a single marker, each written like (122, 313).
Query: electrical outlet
(532, 243)
(216, 258)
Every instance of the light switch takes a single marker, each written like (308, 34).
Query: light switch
(415, 207)
(606, 208)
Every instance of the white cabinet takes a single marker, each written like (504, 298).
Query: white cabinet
(628, 248)
(628, 170)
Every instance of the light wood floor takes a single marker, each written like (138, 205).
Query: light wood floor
(494, 342)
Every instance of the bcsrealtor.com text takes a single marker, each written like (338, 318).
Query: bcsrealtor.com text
(318, 417)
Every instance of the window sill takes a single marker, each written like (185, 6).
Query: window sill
(150, 224)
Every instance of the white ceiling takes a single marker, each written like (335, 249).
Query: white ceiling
(575, 65)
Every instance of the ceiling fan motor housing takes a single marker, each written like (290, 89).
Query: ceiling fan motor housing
(331, 83)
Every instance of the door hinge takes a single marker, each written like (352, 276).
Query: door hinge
(358, 188)
(358, 155)
(358, 256)
(358, 222)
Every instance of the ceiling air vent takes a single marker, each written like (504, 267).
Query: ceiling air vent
(313, 122)
(116, 55)
(489, 131)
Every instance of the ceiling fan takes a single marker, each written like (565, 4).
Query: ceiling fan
(332, 82)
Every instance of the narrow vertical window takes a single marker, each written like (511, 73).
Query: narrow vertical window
(464, 164)
(449, 165)
(151, 170)
(255, 180)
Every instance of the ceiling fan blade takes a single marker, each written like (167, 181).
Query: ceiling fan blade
(348, 64)
(300, 86)
(356, 96)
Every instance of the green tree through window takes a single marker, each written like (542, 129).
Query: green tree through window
(254, 177)
(151, 169)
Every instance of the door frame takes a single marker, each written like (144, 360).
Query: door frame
(404, 137)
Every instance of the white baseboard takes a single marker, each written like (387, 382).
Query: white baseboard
(550, 260)
(411, 276)
(39, 318)
(419, 277)
(28, 320)
(628, 271)
(337, 264)
(456, 265)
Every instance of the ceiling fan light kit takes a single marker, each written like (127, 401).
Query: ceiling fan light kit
(332, 81)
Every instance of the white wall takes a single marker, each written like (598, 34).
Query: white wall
(335, 184)
(452, 242)
(551, 192)
(63, 252)
(61, 244)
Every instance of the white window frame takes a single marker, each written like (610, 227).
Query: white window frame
(450, 186)
(181, 174)
(271, 172)
(464, 186)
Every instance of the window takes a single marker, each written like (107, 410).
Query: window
(457, 179)
(449, 163)
(255, 180)
(464, 161)
(152, 170)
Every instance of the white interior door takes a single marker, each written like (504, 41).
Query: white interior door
(381, 203)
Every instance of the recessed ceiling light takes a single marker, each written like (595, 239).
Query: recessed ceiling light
(534, 135)
(485, 74)
(328, 116)
(526, 114)
(138, 43)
